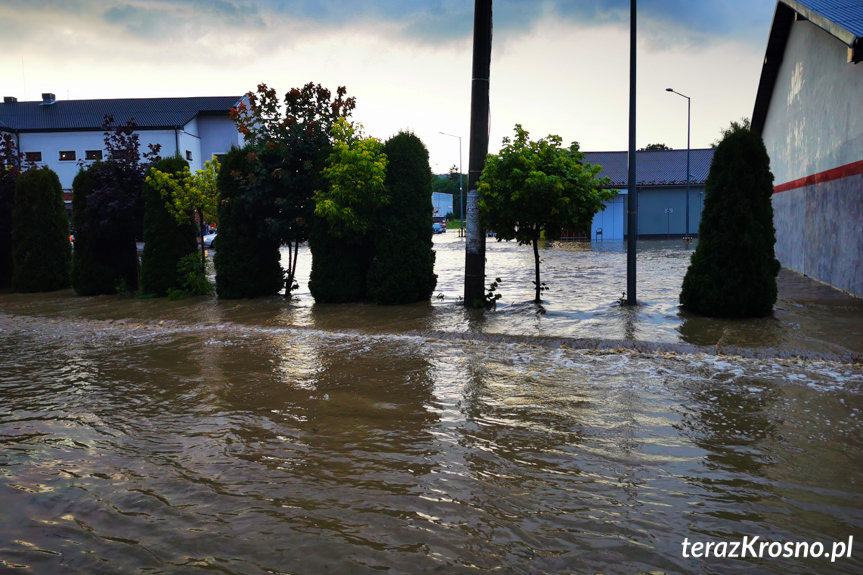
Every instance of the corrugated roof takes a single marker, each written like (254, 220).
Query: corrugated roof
(654, 167)
(828, 14)
(148, 113)
(842, 19)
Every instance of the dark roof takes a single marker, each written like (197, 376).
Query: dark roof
(654, 167)
(73, 115)
(842, 19)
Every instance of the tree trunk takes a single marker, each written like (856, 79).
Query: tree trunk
(201, 241)
(293, 254)
(538, 299)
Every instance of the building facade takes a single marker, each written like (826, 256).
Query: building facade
(662, 193)
(809, 111)
(65, 134)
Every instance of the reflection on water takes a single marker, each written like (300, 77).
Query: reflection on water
(276, 437)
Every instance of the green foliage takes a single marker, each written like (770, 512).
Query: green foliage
(402, 269)
(491, 295)
(355, 171)
(40, 233)
(167, 239)
(191, 280)
(108, 214)
(93, 271)
(733, 269)
(535, 189)
(10, 167)
(339, 265)
(247, 259)
(652, 147)
(192, 199)
(289, 142)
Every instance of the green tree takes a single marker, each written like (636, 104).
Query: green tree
(93, 271)
(734, 267)
(652, 147)
(10, 167)
(192, 199)
(346, 210)
(247, 258)
(167, 239)
(290, 141)
(531, 189)
(355, 171)
(402, 267)
(110, 214)
(40, 233)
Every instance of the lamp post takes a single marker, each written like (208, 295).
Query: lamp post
(688, 132)
(460, 193)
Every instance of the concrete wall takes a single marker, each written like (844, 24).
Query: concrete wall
(652, 203)
(202, 138)
(218, 134)
(610, 221)
(813, 133)
(52, 143)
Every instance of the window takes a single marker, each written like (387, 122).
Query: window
(189, 155)
(33, 156)
(67, 156)
(93, 154)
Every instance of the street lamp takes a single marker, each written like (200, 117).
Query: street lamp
(460, 193)
(688, 132)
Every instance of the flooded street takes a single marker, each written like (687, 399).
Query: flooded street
(197, 436)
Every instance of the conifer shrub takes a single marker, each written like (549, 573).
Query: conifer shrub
(9, 169)
(246, 258)
(166, 241)
(7, 195)
(92, 269)
(733, 269)
(402, 269)
(339, 264)
(40, 233)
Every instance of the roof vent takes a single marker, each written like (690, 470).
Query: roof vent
(48, 99)
(10, 100)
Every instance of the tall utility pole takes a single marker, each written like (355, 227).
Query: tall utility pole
(474, 258)
(632, 238)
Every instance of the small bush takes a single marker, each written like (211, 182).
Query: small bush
(733, 269)
(191, 281)
(40, 233)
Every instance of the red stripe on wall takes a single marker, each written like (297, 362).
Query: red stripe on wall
(846, 171)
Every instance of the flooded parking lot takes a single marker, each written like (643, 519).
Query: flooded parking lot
(148, 436)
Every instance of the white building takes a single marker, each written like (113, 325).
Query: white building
(809, 111)
(61, 134)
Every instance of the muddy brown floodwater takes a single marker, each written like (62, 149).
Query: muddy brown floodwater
(148, 436)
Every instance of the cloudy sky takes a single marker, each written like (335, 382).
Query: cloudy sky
(558, 66)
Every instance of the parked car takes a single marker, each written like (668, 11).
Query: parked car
(438, 228)
(209, 239)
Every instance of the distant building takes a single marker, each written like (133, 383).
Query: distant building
(809, 110)
(661, 193)
(62, 133)
(441, 204)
